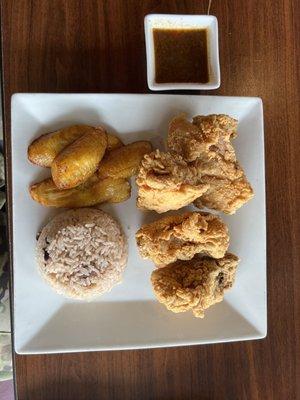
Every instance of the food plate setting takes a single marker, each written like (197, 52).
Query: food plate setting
(138, 221)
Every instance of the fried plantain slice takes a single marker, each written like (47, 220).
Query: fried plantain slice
(43, 150)
(124, 161)
(93, 191)
(113, 142)
(123, 193)
(78, 161)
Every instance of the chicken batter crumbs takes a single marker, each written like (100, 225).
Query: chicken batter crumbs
(194, 285)
(182, 236)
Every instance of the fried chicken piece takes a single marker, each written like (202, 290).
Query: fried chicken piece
(199, 138)
(182, 236)
(227, 192)
(195, 284)
(124, 162)
(185, 138)
(93, 191)
(166, 182)
(80, 160)
(207, 146)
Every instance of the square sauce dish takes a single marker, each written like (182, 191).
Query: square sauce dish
(182, 52)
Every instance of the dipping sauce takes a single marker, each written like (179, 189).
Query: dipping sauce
(181, 55)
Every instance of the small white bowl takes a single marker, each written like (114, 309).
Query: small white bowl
(175, 21)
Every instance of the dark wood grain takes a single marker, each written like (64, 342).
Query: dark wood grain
(98, 46)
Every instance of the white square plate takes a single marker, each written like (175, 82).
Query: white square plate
(129, 316)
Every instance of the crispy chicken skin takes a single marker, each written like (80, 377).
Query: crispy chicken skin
(200, 137)
(182, 236)
(194, 285)
(225, 195)
(166, 182)
(206, 146)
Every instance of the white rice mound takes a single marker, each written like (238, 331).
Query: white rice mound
(82, 253)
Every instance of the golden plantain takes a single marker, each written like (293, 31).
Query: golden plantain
(78, 161)
(92, 192)
(113, 142)
(45, 148)
(123, 191)
(124, 161)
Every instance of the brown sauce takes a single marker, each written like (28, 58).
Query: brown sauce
(181, 55)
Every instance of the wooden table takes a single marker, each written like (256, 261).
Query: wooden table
(98, 46)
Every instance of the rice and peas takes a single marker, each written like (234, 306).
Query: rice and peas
(82, 253)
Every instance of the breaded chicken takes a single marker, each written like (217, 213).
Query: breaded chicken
(229, 188)
(166, 182)
(217, 130)
(207, 147)
(194, 285)
(198, 139)
(182, 236)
